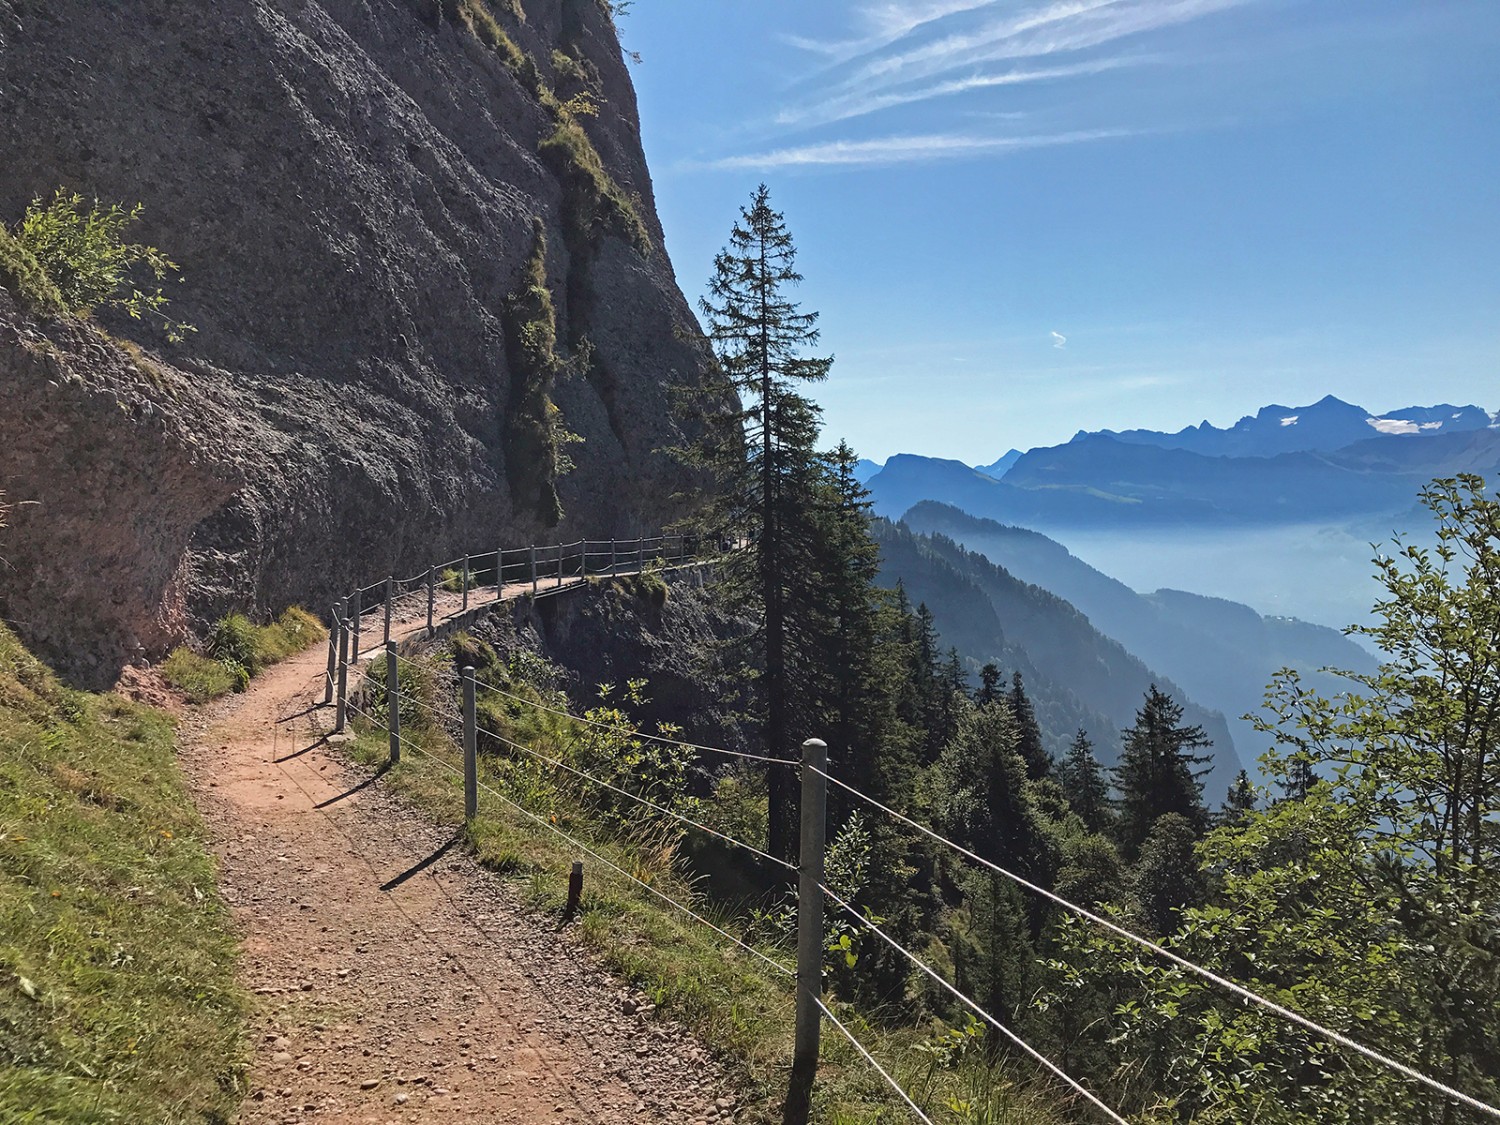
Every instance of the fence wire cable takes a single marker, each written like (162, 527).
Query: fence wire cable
(537, 754)
(634, 797)
(869, 1058)
(640, 734)
(1182, 962)
(976, 1009)
(581, 846)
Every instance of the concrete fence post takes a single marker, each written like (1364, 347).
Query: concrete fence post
(393, 701)
(390, 598)
(357, 612)
(340, 715)
(333, 654)
(431, 597)
(809, 932)
(499, 571)
(559, 563)
(471, 751)
(466, 584)
(614, 556)
(640, 554)
(533, 571)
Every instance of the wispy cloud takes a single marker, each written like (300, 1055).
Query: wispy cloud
(1059, 341)
(917, 149)
(861, 104)
(887, 22)
(1059, 27)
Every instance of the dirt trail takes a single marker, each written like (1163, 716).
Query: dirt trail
(394, 980)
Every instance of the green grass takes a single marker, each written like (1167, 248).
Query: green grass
(237, 650)
(117, 992)
(740, 1008)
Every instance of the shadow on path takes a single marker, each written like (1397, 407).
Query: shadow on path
(423, 865)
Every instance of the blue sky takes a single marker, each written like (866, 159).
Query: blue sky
(1022, 218)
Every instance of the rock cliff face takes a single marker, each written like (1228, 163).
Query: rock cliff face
(404, 240)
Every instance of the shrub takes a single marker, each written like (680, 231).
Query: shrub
(237, 650)
(87, 262)
(233, 641)
(23, 275)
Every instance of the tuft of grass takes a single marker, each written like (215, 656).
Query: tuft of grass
(239, 649)
(22, 274)
(117, 993)
(592, 198)
(201, 678)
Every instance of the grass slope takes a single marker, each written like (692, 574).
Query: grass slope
(117, 992)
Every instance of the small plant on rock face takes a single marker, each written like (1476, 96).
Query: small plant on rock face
(84, 256)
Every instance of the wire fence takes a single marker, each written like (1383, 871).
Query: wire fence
(809, 972)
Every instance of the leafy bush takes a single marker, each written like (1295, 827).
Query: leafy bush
(86, 260)
(233, 642)
(23, 275)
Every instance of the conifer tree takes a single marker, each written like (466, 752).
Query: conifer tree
(1082, 779)
(1157, 774)
(989, 684)
(764, 456)
(1240, 800)
(1028, 732)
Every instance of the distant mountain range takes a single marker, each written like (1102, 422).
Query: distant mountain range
(1327, 424)
(1241, 476)
(1075, 675)
(1222, 653)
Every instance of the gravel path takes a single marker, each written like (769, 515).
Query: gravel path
(394, 979)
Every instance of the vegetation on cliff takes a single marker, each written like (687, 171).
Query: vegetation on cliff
(117, 992)
(65, 258)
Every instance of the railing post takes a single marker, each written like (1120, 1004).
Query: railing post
(809, 932)
(533, 570)
(466, 584)
(431, 596)
(640, 554)
(559, 564)
(343, 688)
(471, 755)
(393, 700)
(499, 571)
(390, 597)
(333, 654)
(614, 556)
(356, 613)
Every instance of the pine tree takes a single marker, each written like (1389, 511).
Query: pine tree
(1240, 800)
(1156, 774)
(989, 684)
(1082, 779)
(764, 457)
(1028, 732)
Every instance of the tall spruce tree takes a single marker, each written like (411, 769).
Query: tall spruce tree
(1028, 731)
(765, 458)
(1082, 779)
(1157, 773)
(1239, 801)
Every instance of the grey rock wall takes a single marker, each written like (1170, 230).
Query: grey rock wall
(348, 186)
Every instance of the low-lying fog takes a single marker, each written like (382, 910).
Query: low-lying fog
(1318, 573)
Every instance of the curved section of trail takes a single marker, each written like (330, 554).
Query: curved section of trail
(394, 980)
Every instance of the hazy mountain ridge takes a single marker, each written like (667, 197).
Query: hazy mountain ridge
(1076, 676)
(1101, 481)
(1221, 652)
